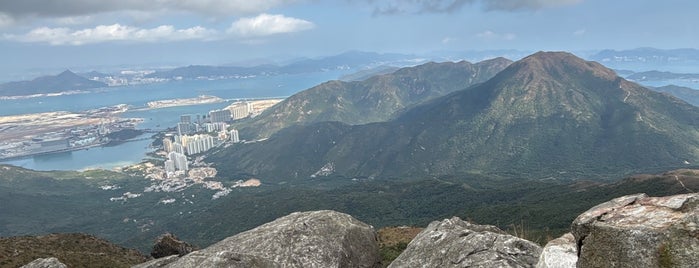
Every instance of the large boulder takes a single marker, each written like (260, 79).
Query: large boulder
(157, 263)
(50, 262)
(457, 243)
(302, 239)
(168, 244)
(559, 253)
(640, 231)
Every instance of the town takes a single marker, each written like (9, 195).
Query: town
(182, 149)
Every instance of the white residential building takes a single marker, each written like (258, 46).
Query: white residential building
(234, 136)
(180, 161)
(167, 145)
(213, 127)
(240, 110)
(223, 115)
(169, 166)
(178, 148)
(198, 143)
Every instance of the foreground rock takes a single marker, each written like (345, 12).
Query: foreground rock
(559, 253)
(168, 244)
(640, 231)
(45, 263)
(302, 239)
(456, 243)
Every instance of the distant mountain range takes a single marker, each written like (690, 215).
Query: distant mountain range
(689, 95)
(660, 76)
(349, 60)
(550, 114)
(648, 55)
(65, 81)
(364, 65)
(368, 73)
(641, 59)
(376, 99)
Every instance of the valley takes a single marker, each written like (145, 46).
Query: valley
(399, 159)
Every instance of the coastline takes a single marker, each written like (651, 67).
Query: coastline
(202, 99)
(62, 93)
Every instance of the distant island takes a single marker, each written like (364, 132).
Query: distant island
(659, 76)
(203, 99)
(66, 81)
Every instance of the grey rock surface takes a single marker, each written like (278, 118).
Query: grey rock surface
(639, 231)
(157, 263)
(45, 263)
(168, 244)
(303, 239)
(559, 253)
(457, 243)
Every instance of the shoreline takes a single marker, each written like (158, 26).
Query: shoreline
(67, 150)
(202, 99)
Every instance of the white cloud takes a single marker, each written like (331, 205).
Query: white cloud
(511, 5)
(393, 7)
(266, 24)
(580, 32)
(114, 32)
(5, 20)
(490, 35)
(229, 6)
(74, 20)
(68, 8)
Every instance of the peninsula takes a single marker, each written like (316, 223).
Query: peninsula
(202, 99)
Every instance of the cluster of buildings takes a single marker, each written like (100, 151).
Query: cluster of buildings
(199, 134)
(240, 110)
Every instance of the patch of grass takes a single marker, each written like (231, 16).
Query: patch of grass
(523, 230)
(394, 240)
(390, 253)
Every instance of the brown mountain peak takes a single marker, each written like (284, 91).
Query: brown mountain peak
(560, 65)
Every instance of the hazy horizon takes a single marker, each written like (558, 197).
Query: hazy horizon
(78, 33)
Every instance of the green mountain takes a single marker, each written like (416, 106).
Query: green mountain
(689, 95)
(550, 114)
(64, 81)
(376, 99)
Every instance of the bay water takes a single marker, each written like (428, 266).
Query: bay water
(128, 153)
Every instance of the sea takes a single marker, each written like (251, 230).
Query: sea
(111, 157)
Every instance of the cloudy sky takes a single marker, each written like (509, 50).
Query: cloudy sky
(71, 33)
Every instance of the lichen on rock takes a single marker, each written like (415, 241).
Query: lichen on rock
(640, 231)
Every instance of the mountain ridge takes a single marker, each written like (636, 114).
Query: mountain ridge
(689, 95)
(548, 114)
(375, 99)
(347, 60)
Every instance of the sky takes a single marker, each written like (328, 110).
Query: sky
(40, 35)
